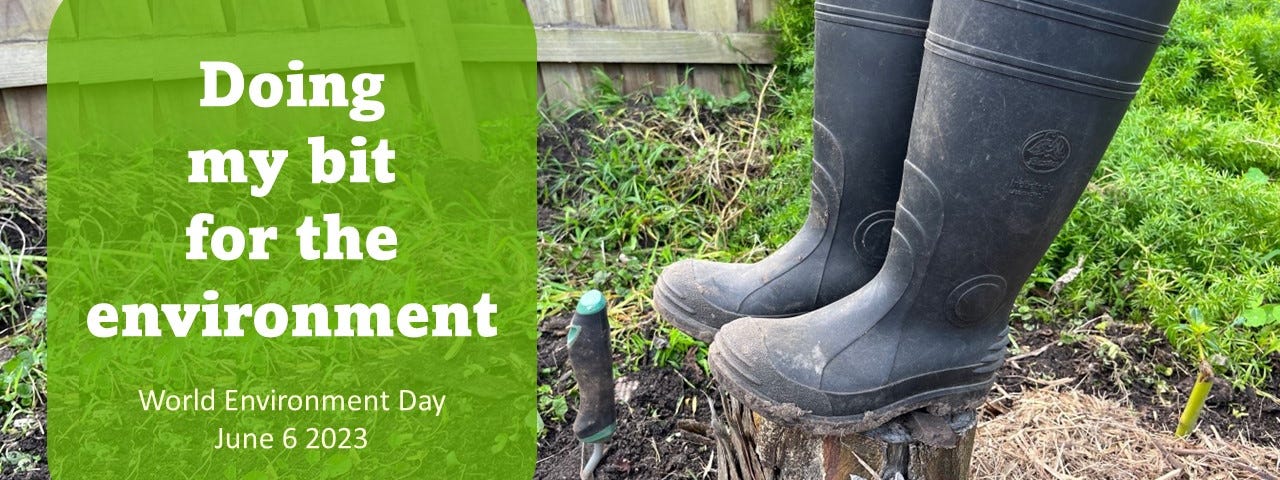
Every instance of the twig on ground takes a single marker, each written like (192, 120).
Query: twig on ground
(1030, 354)
(751, 150)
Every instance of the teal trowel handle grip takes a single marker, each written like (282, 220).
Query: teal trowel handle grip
(592, 363)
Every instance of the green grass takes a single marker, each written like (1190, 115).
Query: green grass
(631, 185)
(1179, 229)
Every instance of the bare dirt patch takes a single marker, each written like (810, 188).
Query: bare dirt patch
(1136, 366)
(663, 419)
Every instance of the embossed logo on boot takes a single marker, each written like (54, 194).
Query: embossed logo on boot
(976, 299)
(1046, 151)
(871, 238)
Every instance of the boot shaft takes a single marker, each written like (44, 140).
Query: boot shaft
(867, 63)
(1018, 102)
(866, 75)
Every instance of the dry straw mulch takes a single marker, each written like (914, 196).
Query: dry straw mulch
(1061, 435)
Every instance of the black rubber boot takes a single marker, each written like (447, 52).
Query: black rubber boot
(867, 67)
(1018, 101)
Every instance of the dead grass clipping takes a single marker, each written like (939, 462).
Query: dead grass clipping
(1061, 435)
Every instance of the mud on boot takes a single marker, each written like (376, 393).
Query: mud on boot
(867, 65)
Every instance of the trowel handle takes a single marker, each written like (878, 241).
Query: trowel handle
(592, 363)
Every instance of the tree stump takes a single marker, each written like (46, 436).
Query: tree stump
(915, 446)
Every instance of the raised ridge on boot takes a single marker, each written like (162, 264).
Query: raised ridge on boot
(1009, 126)
(868, 55)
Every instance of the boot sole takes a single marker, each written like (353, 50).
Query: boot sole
(941, 402)
(676, 314)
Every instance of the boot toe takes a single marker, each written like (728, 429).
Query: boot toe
(681, 296)
(743, 362)
(769, 367)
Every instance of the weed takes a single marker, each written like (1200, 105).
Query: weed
(19, 462)
(23, 376)
(672, 348)
(550, 406)
(628, 186)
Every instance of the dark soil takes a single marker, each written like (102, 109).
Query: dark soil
(23, 454)
(22, 217)
(22, 231)
(657, 439)
(662, 426)
(1136, 365)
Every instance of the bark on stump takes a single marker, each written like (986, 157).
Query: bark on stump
(916, 446)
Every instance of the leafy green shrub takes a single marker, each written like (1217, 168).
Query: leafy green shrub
(1214, 82)
(1182, 214)
(792, 22)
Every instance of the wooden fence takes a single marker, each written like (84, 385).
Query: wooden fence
(24, 30)
(640, 44)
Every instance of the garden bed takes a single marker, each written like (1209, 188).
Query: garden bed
(22, 292)
(1117, 374)
(629, 185)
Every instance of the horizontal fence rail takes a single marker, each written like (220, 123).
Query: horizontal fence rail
(647, 44)
(24, 61)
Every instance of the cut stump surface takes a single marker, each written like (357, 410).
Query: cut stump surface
(915, 446)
